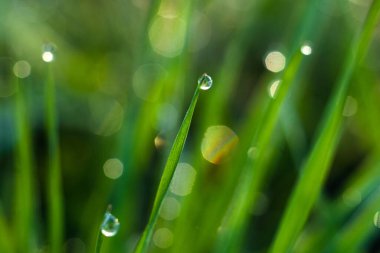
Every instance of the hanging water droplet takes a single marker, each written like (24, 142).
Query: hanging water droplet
(205, 82)
(48, 52)
(110, 225)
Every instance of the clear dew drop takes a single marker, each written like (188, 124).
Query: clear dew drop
(205, 82)
(110, 225)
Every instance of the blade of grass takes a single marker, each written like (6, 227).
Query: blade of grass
(24, 183)
(167, 175)
(359, 228)
(6, 240)
(54, 191)
(318, 163)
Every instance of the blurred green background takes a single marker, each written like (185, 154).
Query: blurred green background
(91, 122)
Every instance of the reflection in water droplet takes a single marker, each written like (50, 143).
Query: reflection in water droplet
(170, 208)
(22, 69)
(113, 168)
(205, 82)
(306, 49)
(376, 219)
(218, 142)
(275, 61)
(183, 179)
(273, 88)
(110, 225)
(350, 107)
(163, 238)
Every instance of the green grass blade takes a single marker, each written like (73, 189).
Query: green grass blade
(6, 240)
(25, 194)
(167, 175)
(317, 165)
(54, 191)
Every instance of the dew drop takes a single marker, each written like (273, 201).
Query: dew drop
(48, 52)
(110, 225)
(205, 82)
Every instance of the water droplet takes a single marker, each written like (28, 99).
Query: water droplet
(205, 82)
(110, 225)
(48, 52)
(376, 219)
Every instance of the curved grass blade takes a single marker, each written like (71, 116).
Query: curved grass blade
(168, 172)
(318, 163)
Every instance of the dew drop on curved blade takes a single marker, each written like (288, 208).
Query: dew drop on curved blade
(218, 142)
(376, 220)
(110, 225)
(205, 82)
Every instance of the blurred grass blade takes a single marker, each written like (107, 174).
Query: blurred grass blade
(24, 183)
(6, 240)
(168, 172)
(318, 163)
(54, 191)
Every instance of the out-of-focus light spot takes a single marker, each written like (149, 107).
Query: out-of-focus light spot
(75, 245)
(159, 142)
(167, 117)
(22, 69)
(163, 238)
(167, 36)
(376, 219)
(275, 61)
(113, 168)
(170, 208)
(260, 205)
(306, 49)
(350, 107)
(200, 24)
(107, 115)
(147, 79)
(218, 142)
(183, 179)
(352, 197)
(253, 152)
(47, 56)
(273, 87)
(169, 8)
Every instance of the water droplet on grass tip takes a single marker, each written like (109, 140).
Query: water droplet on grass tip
(48, 52)
(205, 82)
(110, 225)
